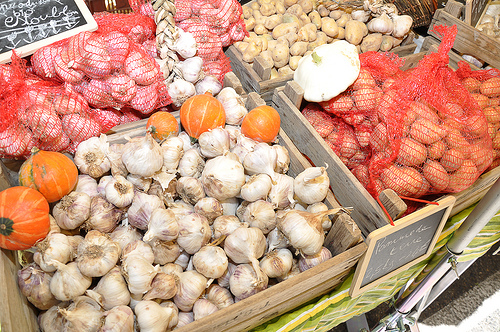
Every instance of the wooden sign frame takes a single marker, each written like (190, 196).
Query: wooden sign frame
(90, 25)
(409, 222)
(474, 11)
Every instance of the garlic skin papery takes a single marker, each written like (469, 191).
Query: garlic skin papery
(139, 182)
(184, 319)
(190, 288)
(233, 106)
(261, 160)
(214, 143)
(225, 225)
(382, 24)
(163, 287)
(219, 296)
(162, 226)
(164, 252)
(326, 222)
(183, 259)
(191, 68)
(234, 132)
(142, 156)
(125, 234)
(138, 273)
(152, 317)
(164, 186)
(260, 214)
(87, 184)
(361, 15)
(223, 177)
(186, 140)
(311, 185)
(72, 210)
(276, 240)
(55, 246)
(229, 205)
(104, 216)
(202, 308)
(190, 189)
(68, 282)
(52, 320)
(97, 254)
(113, 289)
(118, 319)
(293, 271)
(185, 44)
(281, 194)
(243, 146)
(180, 208)
(211, 261)
(224, 280)
(140, 248)
(191, 163)
(119, 191)
(208, 84)
(84, 314)
(256, 187)
(34, 283)
(282, 159)
(90, 156)
(180, 90)
(277, 263)
(309, 261)
(74, 242)
(402, 24)
(143, 205)
(245, 282)
(209, 207)
(194, 232)
(101, 186)
(172, 268)
(173, 149)
(115, 158)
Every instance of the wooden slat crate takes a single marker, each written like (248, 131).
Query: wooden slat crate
(344, 240)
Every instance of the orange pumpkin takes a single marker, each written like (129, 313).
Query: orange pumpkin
(162, 125)
(24, 218)
(261, 124)
(51, 173)
(201, 113)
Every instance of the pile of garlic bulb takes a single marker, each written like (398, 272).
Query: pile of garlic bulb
(159, 234)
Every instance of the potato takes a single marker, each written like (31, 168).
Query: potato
(379, 139)
(436, 150)
(493, 128)
(452, 159)
(341, 34)
(357, 159)
(348, 145)
(437, 176)
(364, 80)
(481, 100)
(289, 3)
(260, 29)
(307, 5)
(285, 71)
(254, 5)
(273, 21)
(355, 31)
(361, 173)
(250, 23)
(336, 14)
(289, 18)
(425, 131)
(491, 87)
(411, 152)
(423, 111)
(344, 18)
(241, 46)
(271, 44)
(304, 19)
(366, 99)
(267, 9)
(315, 19)
(496, 141)
(463, 177)
(494, 102)
(471, 84)
(321, 38)
(339, 105)
(247, 12)
(281, 54)
(284, 28)
(280, 8)
(290, 38)
(371, 42)
(329, 27)
(295, 10)
(298, 48)
(294, 61)
(307, 33)
(405, 181)
(386, 44)
(264, 42)
(252, 50)
(322, 11)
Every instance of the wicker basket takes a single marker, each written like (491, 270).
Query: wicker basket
(421, 11)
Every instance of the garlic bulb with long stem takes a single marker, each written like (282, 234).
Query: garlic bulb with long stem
(326, 222)
(202, 308)
(225, 225)
(163, 287)
(209, 207)
(118, 319)
(261, 160)
(191, 286)
(282, 191)
(277, 263)
(194, 232)
(140, 248)
(312, 185)
(276, 240)
(308, 261)
(282, 159)
(114, 155)
(233, 104)
(190, 189)
(125, 234)
(90, 156)
(164, 252)
(260, 214)
(68, 282)
(162, 226)
(142, 156)
(191, 163)
(86, 184)
(72, 210)
(34, 283)
(223, 177)
(84, 314)
(138, 273)
(119, 191)
(173, 149)
(256, 187)
(97, 254)
(214, 142)
(219, 296)
(113, 289)
(143, 205)
(211, 261)
(55, 246)
(246, 281)
(152, 317)
(104, 216)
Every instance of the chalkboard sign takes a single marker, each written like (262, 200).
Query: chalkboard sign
(392, 249)
(474, 10)
(27, 25)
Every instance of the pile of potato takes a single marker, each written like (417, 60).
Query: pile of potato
(283, 31)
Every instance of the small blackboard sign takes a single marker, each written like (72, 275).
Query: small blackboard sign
(27, 25)
(392, 249)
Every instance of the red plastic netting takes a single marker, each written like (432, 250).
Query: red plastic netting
(417, 132)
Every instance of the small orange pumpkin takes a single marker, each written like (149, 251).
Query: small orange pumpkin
(201, 113)
(261, 124)
(51, 173)
(162, 125)
(24, 218)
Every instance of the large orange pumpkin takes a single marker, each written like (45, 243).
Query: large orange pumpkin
(201, 113)
(51, 173)
(24, 218)
(261, 124)
(162, 125)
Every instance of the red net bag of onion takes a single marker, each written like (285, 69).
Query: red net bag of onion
(417, 132)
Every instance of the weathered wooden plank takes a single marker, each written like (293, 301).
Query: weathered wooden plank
(343, 235)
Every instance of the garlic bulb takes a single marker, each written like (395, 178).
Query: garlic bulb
(360, 15)
(175, 312)
(113, 289)
(243, 146)
(140, 182)
(234, 132)
(90, 156)
(281, 194)
(225, 225)
(326, 222)
(97, 254)
(211, 261)
(214, 142)
(382, 24)
(34, 283)
(194, 232)
(224, 280)
(72, 210)
(114, 155)
(277, 263)
(74, 242)
(183, 259)
(55, 246)
(191, 163)
(142, 156)
(125, 234)
(118, 319)
(308, 261)
(293, 272)
(191, 68)
(152, 317)
(223, 177)
(68, 282)
(402, 24)
(162, 226)
(208, 84)
(164, 186)
(260, 214)
(163, 287)
(276, 240)
(172, 268)
(209, 207)
(184, 319)
(143, 205)
(138, 273)
(180, 208)
(84, 314)
(51, 320)
(191, 286)
(185, 44)
(164, 252)
(233, 105)
(86, 184)
(119, 191)
(261, 160)
(256, 187)
(104, 216)
(173, 149)
(282, 159)
(180, 91)
(190, 189)
(229, 205)
(140, 248)
(312, 185)
(245, 281)
(101, 186)
(54, 227)
(219, 296)
(202, 308)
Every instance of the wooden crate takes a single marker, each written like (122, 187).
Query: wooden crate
(344, 240)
